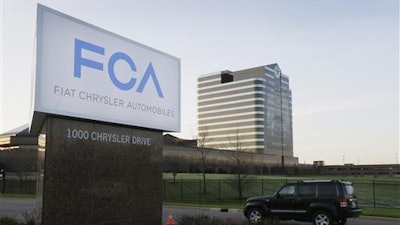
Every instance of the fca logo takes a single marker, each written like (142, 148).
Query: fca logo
(80, 61)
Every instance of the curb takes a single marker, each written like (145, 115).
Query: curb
(379, 218)
(225, 210)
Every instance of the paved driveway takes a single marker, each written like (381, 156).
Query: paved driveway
(16, 207)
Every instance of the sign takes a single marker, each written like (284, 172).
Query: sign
(86, 72)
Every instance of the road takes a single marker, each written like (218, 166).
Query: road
(176, 212)
(16, 207)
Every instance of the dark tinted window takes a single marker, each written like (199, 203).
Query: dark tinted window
(287, 190)
(327, 190)
(306, 190)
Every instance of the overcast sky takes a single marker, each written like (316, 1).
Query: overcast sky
(342, 59)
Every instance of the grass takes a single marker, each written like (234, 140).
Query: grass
(7, 195)
(380, 192)
(394, 213)
(199, 176)
(204, 205)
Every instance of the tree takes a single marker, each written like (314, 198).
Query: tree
(202, 139)
(240, 163)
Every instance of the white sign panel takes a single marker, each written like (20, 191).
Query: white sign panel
(86, 72)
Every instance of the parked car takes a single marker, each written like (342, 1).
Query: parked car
(321, 202)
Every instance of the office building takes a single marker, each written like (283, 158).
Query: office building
(248, 110)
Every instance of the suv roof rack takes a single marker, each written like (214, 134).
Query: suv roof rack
(319, 181)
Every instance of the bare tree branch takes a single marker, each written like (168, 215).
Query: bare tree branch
(239, 159)
(202, 139)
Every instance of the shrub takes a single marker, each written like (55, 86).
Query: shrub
(9, 221)
(198, 220)
(202, 219)
(268, 222)
(30, 218)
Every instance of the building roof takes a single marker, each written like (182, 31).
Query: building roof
(21, 131)
(18, 137)
(274, 66)
(171, 140)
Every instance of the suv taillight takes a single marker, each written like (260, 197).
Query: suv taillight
(343, 202)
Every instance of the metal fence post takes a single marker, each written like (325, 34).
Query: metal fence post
(4, 186)
(181, 190)
(3, 178)
(373, 192)
(262, 187)
(165, 189)
(200, 190)
(219, 190)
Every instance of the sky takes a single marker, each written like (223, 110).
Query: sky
(342, 59)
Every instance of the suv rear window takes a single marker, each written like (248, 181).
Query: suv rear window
(349, 189)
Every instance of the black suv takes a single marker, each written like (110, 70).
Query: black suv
(321, 202)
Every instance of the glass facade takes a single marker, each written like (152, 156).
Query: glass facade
(254, 104)
(278, 123)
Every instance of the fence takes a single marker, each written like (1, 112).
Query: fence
(378, 194)
(18, 186)
(370, 194)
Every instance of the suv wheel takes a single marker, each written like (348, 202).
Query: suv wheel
(322, 218)
(341, 221)
(255, 215)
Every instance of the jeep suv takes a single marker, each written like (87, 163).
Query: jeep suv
(320, 202)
